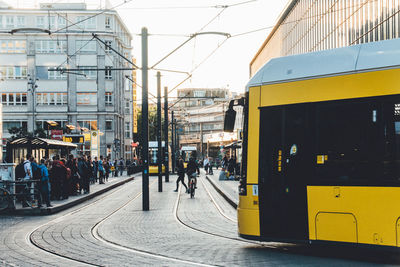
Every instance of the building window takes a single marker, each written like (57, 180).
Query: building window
(16, 72)
(10, 21)
(127, 130)
(88, 99)
(40, 22)
(109, 99)
(127, 107)
(51, 46)
(108, 74)
(13, 99)
(109, 125)
(62, 22)
(56, 75)
(88, 72)
(56, 99)
(199, 93)
(108, 22)
(108, 46)
(20, 21)
(86, 22)
(86, 46)
(7, 125)
(89, 124)
(1, 21)
(12, 46)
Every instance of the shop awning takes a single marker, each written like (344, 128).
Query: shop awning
(41, 143)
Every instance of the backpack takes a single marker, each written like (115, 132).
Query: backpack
(36, 172)
(20, 171)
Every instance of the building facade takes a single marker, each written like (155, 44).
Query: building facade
(307, 26)
(90, 96)
(200, 113)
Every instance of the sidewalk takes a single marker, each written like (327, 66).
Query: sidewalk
(60, 205)
(227, 188)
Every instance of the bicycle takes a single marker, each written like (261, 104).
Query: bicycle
(192, 184)
(31, 197)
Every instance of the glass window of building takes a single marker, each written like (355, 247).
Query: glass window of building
(10, 21)
(13, 99)
(51, 99)
(108, 22)
(88, 72)
(90, 124)
(109, 99)
(1, 21)
(109, 125)
(16, 72)
(86, 46)
(56, 75)
(62, 22)
(198, 93)
(108, 46)
(127, 130)
(40, 22)
(51, 46)
(87, 99)
(20, 21)
(108, 73)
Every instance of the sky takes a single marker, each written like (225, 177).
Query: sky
(213, 60)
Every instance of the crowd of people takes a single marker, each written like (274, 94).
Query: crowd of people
(61, 177)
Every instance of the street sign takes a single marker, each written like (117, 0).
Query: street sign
(75, 139)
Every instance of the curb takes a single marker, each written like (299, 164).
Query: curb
(222, 193)
(53, 210)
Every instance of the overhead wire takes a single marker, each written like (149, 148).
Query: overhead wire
(93, 16)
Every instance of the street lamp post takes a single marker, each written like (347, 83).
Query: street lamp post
(32, 83)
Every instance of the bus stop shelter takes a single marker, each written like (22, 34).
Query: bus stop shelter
(39, 148)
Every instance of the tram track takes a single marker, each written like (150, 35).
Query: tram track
(96, 235)
(29, 236)
(218, 208)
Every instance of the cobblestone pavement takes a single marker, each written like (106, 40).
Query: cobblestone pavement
(102, 233)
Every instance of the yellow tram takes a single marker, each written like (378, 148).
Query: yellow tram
(321, 150)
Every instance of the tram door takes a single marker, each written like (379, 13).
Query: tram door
(283, 170)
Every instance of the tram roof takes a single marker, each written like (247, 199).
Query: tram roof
(350, 59)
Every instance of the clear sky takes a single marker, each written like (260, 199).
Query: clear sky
(229, 65)
(171, 22)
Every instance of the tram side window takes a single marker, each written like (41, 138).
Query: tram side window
(344, 152)
(391, 130)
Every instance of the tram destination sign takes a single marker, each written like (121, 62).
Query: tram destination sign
(74, 138)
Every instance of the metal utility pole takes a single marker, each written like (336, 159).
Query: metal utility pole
(159, 153)
(166, 161)
(145, 122)
(173, 142)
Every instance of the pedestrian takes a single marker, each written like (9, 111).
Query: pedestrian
(84, 173)
(28, 176)
(107, 169)
(95, 169)
(206, 164)
(121, 166)
(90, 169)
(116, 167)
(231, 168)
(65, 175)
(44, 183)
(101, 170)
(74, 180)
(181, 174)
(225, 162)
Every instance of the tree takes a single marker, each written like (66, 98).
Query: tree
(152, 126)
(18, 132)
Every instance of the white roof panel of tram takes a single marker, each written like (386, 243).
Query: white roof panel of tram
(329, 62)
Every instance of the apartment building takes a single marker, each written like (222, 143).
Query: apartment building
(92, 95)
(200, 114)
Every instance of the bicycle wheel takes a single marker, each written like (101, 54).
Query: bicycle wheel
(192, 190)
(4, 199)
(34, 199)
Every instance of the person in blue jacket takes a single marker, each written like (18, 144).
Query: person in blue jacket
(44, 183)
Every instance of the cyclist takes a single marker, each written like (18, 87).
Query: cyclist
(191, 169)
